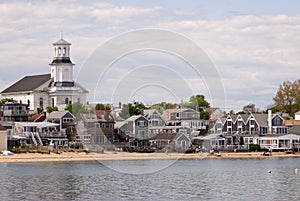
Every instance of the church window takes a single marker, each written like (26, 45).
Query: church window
(64, 51)
(41, 102)
(59, 51)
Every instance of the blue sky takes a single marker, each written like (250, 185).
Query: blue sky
(254, 44)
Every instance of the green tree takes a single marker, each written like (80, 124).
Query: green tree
(50, 109)
(197, 102)
(5, 100)
(287, 98)
(101, 106)
(131, 109)
(161, 107)
(39, 110)
(204, 115)
(76, 109)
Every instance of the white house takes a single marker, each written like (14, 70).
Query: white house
(55, 89)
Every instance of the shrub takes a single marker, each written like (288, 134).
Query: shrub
(254, 147)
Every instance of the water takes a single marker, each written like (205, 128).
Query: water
(220, 179)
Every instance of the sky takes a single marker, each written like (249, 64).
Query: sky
(250, 46)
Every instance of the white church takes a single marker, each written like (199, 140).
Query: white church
(55, 89)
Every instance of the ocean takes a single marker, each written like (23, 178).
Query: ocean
(197, 179)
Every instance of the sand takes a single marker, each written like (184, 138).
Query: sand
(110, 156)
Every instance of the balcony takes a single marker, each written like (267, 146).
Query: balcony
(15, 113)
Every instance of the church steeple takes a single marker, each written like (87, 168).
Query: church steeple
(61, 65)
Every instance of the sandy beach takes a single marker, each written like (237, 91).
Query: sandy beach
(107, 156)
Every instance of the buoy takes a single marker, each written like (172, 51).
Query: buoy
(296, 170)
(269, 171)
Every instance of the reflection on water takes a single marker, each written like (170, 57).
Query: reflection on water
(185, 180)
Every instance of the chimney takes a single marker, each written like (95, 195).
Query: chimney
(270, 121)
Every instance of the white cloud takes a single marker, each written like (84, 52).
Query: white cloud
(253, 53)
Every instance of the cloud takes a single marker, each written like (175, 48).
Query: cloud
(106, 12)
(253, 53)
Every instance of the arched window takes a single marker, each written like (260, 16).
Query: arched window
(66, 100)
(64, 51)
(59, 51)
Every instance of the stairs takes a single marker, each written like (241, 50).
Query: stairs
(36, 139)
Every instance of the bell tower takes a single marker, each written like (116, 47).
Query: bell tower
(61, 65)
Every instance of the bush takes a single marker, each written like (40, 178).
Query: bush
(254, 147)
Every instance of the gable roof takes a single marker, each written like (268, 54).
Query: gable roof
(28, 83)
(59, 114)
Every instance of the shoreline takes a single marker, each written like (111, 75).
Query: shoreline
(119, 156)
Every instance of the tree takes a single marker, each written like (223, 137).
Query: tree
(76, 109)
(131, 109)
(5, 100)
(39, 110)
(101, 106)
(50, 109)
(197, 102)
(204, 115)
(160, 107)
(287, 98)
(250, 108)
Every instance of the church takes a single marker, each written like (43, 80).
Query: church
(54, 89)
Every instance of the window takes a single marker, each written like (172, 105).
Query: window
(67, 120)
(41, 102)
(111, 125)
(66, 100)
(141, 134)
(87, 139)
(141, 123)
(78, 100)
(103, 125)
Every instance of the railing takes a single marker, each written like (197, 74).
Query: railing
(14, 112)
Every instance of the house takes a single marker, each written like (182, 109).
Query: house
(251, 124)
(279, 142)
(185, 118)
(161, 140)
(209, 142)
(3, 138)
(62, 118)
(89, 131)
(135, 126)
(13, 112)
(297, 115)
(36, 134)
(182, 142)
(218, 125)
(215, 113)
(155, 121)
(55, 89)
(106, 122)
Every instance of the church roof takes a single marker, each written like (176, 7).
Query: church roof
(28, 83)
(61, 42)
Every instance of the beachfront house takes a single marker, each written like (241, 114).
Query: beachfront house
(135, 126)
(279, 142)
(155, 121)
(62, 118)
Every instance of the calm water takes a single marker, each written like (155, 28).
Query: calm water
(184, 180)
